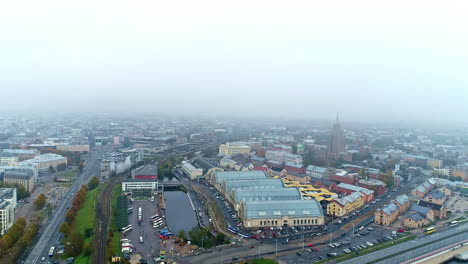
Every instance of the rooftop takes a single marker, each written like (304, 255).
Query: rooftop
(420, 209)
(355, 188)
(266, 194)
(257, 184)
(280, 208)
(45, 158)
(220, 176)
(416, 217)
(21, 151)
(294, 165)
(22, 174)
(436, 195)
(316, 169)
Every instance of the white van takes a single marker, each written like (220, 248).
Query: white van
(125, 240)
(141, 239)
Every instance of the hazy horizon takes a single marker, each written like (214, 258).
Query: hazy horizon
(307, 60)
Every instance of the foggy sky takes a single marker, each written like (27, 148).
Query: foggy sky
(366, 60)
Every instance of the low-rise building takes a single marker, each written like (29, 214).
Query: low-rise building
(379, 187)
(283, 156)
(23, 154)
(422, 189)
(22, 177)
(349, 189)
(343, 206)
(423, 211)
(317, 172)
(386, 215)
(299, 177)
(239, 195)
(139, 186)
(414, 220)
(436, 197)
(403, 203)
(255, 214)
(191, 171)
(227, 163)
(148, 171)
(8, 158)
(220, 176)
(45, 161)
(228, 185)
(295, 167)
(439, 210)
(7, 208)
(233, 148)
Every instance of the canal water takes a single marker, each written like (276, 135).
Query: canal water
(179, 212)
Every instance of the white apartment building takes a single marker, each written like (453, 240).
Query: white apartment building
(7, 208)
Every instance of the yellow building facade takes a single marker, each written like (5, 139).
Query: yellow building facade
(343, 206)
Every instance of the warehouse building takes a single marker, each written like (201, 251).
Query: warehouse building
(256, 214)
(221, 176)
(272, 194)
(228, 186)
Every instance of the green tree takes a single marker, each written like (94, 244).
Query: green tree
(388, 178)
(65, 228)
(220, 239)
(294, 148)
(181, 234)
(93, 183)
(40, 201)
(74, 247)
(126, 142)
(87, 249)
(51, 168)
(81, 166)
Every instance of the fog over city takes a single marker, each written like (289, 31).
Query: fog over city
(366, 60)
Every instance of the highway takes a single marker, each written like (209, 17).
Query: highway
(407, 250)
(50, 235)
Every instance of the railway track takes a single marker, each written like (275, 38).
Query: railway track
(104, 212)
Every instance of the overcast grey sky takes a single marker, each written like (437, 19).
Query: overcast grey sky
(364, 59)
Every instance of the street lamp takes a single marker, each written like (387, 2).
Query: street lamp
(276, 251)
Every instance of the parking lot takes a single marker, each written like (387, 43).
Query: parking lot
(366, 237)
(151, 241)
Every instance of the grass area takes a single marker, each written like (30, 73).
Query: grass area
(115, 239)
(85, 219)
(368, 250)
(66, 185)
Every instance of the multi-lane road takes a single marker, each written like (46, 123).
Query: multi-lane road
(417, 247)
(50, 236)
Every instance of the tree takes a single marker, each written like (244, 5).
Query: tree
(51, 168)
(40, 201)
(294, 148)
(81, 166)
(220, 239)
(74, 246)
(93, 183)
(89, 232)
(65, 228)
(388, 178)
(181, 234)
(87, 249)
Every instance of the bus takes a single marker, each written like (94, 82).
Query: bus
(453, 223)
(51, 251)
(126, 230)
(154, 216)
(140, 215)
(429, 230)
